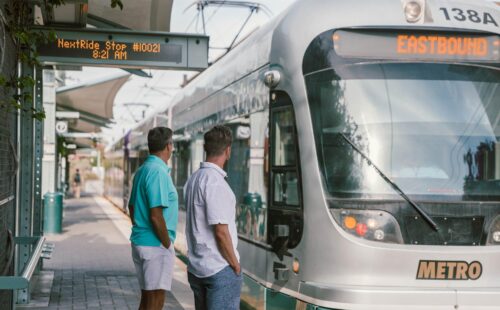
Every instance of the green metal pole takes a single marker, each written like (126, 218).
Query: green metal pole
(26, 177)
(39, 125)
(37, 214)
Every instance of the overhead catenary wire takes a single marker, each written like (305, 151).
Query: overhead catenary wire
(245, 4)
(214, 12)
(254, 7)
(241, 29)
(191, 23)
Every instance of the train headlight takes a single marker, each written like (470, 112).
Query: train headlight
(296, 265)
(414, 10)
(272, 78)
(373, 225)
(379, 234)
(494, 234)
(350, 222)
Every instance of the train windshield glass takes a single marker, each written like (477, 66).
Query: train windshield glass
(432, 128)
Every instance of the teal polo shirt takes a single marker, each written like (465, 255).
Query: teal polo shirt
(152, 188)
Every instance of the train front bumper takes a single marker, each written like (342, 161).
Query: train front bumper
(392, 298)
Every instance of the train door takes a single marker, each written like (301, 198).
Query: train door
(197, 154)
(237, 167)
(180, 164)
(285, 217)
(250, 138)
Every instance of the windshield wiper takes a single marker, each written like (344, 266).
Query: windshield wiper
(394, 185)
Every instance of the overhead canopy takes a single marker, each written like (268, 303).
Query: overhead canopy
(93, 100)
(145, 15)
(81, 143)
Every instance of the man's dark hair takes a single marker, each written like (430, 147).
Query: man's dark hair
(217, 140)
(158, 138)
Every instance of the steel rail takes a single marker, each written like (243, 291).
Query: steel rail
(7, 200)
(23, 281)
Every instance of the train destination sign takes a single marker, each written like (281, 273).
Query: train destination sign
(417, 46)
(127, 49)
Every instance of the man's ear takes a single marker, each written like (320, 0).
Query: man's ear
(169, 148)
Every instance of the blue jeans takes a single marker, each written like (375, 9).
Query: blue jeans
(218, 292)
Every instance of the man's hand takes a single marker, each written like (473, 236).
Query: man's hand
(225, 245)
(159, 226)
(131, 212)
(237, 269)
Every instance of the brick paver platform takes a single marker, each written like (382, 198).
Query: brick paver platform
(92, 263)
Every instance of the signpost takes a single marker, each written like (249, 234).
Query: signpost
(126, 49)
(61, 127)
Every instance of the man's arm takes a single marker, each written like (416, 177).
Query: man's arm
(225, 244)
(159, 226)
(131, 211)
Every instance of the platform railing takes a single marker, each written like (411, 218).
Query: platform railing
(22, 281)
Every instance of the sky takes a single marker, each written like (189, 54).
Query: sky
(143, 97)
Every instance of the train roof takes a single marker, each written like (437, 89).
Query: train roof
(283, 41)
(248, 56)
(307, 19)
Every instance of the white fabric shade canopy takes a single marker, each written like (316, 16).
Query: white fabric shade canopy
(93, 100)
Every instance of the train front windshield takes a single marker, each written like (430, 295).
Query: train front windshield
(432, 128)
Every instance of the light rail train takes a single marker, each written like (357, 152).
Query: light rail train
(366, 154)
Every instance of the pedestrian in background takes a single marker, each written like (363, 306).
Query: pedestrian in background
(214, 271)
(77, 182)
(154, 210)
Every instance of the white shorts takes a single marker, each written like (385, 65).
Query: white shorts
(154, 266)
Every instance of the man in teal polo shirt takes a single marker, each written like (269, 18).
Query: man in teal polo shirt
(153, 209)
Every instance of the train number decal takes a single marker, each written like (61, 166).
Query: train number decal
(473, 16)
(449, 270)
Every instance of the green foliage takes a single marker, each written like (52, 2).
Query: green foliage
(18, 89)
(61, 146)
(19, 24)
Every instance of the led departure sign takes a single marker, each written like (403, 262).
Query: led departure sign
(417, 46)
(126, 49)
(112, 50)
(441, 45)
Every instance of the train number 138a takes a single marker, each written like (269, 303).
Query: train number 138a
(468, 15)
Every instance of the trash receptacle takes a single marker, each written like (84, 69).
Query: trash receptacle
(52, 212)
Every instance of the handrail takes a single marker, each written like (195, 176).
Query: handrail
(11, 248)
(7, 200)
(14, 155)
(35, 256)
(23, 281)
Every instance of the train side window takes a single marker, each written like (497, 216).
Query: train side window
(284, 152)
(285, 207)
(180, 171)
(286, 188)
(284, 138)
